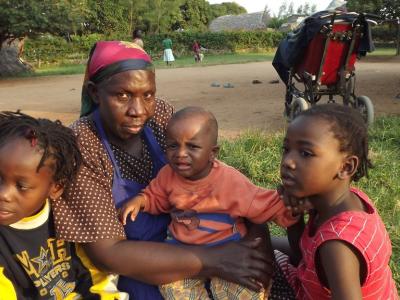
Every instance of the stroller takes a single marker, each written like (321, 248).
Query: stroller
(324, 64)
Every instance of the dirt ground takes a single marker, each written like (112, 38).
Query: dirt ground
(244, 106)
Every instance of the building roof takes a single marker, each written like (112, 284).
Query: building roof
(257, 20)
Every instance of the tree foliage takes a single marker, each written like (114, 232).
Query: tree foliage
(227, 8)
(196, 15)
(386, 9)
(23, 18)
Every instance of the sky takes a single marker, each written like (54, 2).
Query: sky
(258, 5)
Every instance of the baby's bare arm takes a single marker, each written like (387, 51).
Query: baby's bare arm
(133, 206)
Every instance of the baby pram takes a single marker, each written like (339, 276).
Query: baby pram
(320, 56)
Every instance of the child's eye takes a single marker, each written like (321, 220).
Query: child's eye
(191, 146)
(306, 153)
(171, 146)
(22, 186)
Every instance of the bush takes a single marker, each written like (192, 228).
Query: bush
(49, 49)
(384, 33)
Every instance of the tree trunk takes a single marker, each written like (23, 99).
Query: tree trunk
(10, 61)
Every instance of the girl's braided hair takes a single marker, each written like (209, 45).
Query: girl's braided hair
(55, 140)
(349, 129)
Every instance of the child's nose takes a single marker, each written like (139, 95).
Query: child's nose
(288, 162)
(5, 194)
(182, 152)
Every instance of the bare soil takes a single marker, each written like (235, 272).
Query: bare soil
(244, 106)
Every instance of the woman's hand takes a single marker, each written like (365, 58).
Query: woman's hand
(240, 262)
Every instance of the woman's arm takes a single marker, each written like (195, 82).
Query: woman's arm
(158, 263)
(340, 269)
(294, 233)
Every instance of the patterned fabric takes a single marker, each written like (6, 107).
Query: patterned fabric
(367, 233)
(108, 58)
(220, 290)
(86, 212)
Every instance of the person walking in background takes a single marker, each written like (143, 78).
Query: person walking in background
(168, 55)
(196, 51)
(137, 35)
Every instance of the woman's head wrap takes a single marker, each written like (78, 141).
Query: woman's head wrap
(108, 58)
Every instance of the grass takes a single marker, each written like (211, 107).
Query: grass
(181, 62)
(383, 52)
(258, 156)
(221, 59)
(184, 61)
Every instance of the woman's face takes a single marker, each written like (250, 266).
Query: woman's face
(126, 102)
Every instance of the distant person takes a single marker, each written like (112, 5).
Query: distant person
(206, 199)
(38, 159)
(196, 51)
(168, 55)
(137, 36)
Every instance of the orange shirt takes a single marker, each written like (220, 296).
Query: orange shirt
(225, 192)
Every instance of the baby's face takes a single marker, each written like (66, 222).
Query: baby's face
(190, 150)
(23, 188)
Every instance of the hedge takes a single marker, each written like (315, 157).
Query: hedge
(49, 49)
(56, 50)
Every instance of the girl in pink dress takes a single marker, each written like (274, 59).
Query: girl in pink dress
(344, 249)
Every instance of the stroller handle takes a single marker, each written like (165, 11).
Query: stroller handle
(340, 16)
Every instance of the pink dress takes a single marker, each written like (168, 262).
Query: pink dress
(367, 233)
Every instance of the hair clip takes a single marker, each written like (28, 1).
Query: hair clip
(32, 136)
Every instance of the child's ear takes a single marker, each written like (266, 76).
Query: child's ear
(214, 153)
(349, 167)
(56, 191)
(92, 91)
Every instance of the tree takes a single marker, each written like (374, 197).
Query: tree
(386, 9)
(226, 8)
(390, 9)
(23, 18)
(107, 17)
(196, 15)
(162, 15)
(366, 6)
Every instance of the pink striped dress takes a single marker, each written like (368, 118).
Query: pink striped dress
(367, 233)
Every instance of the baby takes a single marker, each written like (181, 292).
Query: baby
(207, 200)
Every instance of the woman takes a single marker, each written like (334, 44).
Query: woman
(137, 37)
(121, 137)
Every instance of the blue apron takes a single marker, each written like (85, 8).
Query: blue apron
(146, 227)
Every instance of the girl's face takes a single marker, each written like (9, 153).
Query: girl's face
(311, 159)
(126, 102)
(23, 188)
(190, 151)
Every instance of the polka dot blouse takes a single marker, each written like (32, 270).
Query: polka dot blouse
(86, 212)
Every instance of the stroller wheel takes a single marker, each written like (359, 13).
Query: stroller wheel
(364, 105)
(298, 105)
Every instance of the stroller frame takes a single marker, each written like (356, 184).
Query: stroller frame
(319, 79)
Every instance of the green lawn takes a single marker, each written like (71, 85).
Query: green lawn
(383, 52)
(258, 156)
(186, 61)
(180, 62)
(222, 59)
